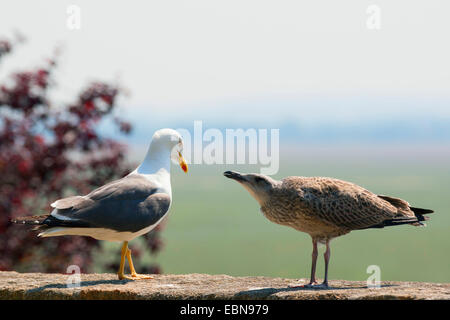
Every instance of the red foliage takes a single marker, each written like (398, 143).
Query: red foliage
(47, 153)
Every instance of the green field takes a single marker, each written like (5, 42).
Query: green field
(216, 227)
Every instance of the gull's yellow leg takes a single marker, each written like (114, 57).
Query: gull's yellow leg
(134, 275)
(122, 262)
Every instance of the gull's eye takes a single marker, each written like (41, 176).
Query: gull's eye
(259, 179)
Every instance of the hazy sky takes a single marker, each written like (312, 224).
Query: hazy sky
(266, 59)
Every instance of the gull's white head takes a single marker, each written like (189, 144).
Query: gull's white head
(167, 138)
(167, 141)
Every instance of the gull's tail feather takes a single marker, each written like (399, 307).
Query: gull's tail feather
(403, 207)
(420, 211)
(415, 221)
(31, 220)
(36, 221)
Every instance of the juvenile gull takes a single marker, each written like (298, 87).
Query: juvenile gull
(123, 209)
(325, 208)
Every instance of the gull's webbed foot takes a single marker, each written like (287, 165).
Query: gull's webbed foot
(134, 276)
(311, 285)
(323, 285)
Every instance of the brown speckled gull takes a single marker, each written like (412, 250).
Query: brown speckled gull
(325, 208)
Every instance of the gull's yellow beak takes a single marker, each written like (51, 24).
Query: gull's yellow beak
(183, 163)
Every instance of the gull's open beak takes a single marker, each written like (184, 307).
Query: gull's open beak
(183, 163)
(234, 175)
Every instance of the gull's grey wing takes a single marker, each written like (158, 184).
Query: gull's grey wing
(345, 204)
(128, 204)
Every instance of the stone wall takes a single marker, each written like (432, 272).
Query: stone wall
(15, 285)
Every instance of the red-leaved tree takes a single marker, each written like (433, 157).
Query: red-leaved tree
(50, 151)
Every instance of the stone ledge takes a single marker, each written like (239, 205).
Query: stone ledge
(15, 285)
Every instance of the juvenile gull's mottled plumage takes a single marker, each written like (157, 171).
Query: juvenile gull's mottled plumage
(325, 208)
(123, 209)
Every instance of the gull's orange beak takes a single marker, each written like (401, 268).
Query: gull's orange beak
(183, 163)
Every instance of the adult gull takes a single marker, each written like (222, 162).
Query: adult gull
(122, 209)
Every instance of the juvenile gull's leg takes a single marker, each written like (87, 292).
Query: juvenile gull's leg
(312, 280)
(314, 255)
(326, 256)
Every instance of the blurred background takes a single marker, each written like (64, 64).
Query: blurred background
(363, 104)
